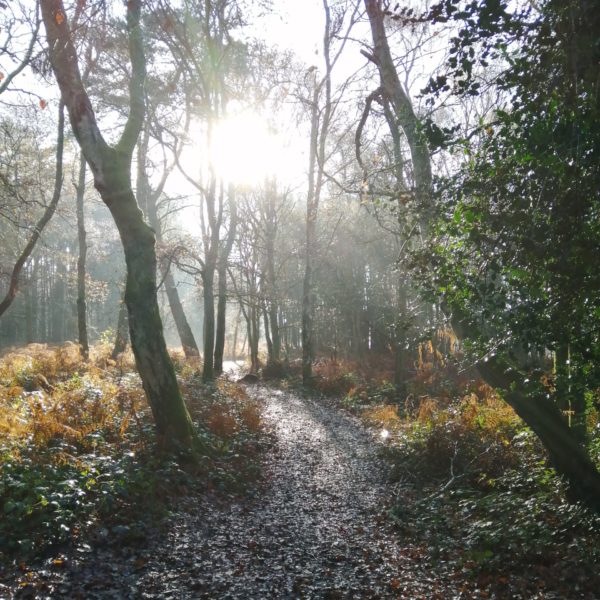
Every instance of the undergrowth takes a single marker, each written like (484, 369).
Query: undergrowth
(473, 487)
(78, 453)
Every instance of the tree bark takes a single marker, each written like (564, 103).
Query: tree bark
(268, 339)
(208, 286)
(122, 334)
(272, 299)
(81, 238)
(111, 167)
(222, 284)
(214, 213)
(399, 100)
(567, 455)
(316, 161)
(186, 336)
(221, 319)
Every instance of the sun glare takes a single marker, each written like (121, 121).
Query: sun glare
(244, 151)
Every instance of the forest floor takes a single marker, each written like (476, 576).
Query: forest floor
(316, 526)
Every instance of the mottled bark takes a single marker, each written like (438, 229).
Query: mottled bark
(567, 455)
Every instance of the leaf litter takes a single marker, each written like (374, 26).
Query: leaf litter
(317, 526)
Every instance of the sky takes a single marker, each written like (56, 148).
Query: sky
(295, 25)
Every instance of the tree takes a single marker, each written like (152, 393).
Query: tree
(516, 223)
(150, 200)
(81, 271)
(111, 168)
(321, 108)
(42, 222)
(210, 60)
(223, 263)
(412, 193)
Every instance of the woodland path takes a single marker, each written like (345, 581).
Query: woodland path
(316, 527)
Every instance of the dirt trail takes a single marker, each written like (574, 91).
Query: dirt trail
(317, 531)
(316, 528)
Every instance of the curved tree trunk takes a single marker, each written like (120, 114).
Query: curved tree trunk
(399, 100)
(111, 167)
(145, 326)
(13, 286)
(567, 454)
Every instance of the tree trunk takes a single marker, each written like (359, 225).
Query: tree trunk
(270, 276)
(222, 284)
(540, 413)
(254, 338)
(208, 282)
(149, 199)
(81, 237)
(270, 359)
(311, 224)
(58, 303)
(111, 167)
(188, 341)
(13, 286)
(234, 344)
(567, 455)
(32, 303)
(221, 320)
(400, 342)
(145, 326)
(399, 100)
(122, 334)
